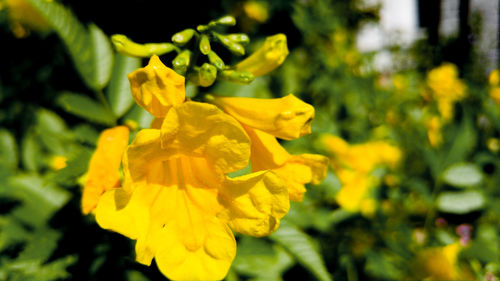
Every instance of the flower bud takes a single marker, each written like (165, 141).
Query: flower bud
(181, 62)
(181, 38)
(240, 77)
(124, 45)
(204, 44)
(214, 59)
(232, 46)
(266, 58)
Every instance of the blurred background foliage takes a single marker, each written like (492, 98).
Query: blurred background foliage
(412, 192)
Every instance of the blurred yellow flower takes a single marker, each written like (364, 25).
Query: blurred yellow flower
(24, 17)
(103, 173)
(434, 135)
(177, 202)
(267, 58)
(439, 263)
(256, 10)
(156, 87)
(58, 162)
(446, 88)
(353, 165)
(287, 118)
(494, 77)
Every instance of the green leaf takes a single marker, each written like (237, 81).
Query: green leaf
(41, 245)
(139, 115)
(261, 259)
(103, 56)
(85, 107)
(463, 175)
(8, 149)
(38, 201)
(31, 152)
(384, 265)
(302, 248)
(464, 142)
(119, 94)
(52, 131)
(90, 50)
(460, 202)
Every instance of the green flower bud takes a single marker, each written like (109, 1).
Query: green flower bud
(181, 38)
(124, 45)
(181, 62)
(240, 77)
(214, 59)
(205, 44)
(207, 75)
(226, 20)
(232, 46)
(241, 38)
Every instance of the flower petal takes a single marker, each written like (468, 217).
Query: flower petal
(103, 171)
(156, 87)
(177, 257)
(254, 203)
(300, 170)
(267, 153)
(202, 130)
(286, 118)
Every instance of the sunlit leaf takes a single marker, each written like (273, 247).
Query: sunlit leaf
(119, 94)
(90, 50)
(302, 248)
(103, 56)
(38, 201)
(41, 245)
(460, 202)
(30, 152)
(86, 107)
(463, 175)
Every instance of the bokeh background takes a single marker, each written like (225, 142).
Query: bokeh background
(407, 100)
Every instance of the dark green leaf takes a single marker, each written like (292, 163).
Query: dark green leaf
(103, 56)
(302, 248)
(85, 107)
(8, 149)
(119, 94)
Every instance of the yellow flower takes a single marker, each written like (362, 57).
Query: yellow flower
(353, 165)
(23, 15)
(177, 201)
(434, 131)
(156, 87)
(256, 10)
(58, 162)
(446, 88)
(103, 173)
(286, 118)
(439, 263)
(267, 58)
(494, 78)
(495, 95)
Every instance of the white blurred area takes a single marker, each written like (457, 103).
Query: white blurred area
(398, 25)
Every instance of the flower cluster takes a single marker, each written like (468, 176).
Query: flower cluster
(446, 88)
(176, 198)
(354, 166)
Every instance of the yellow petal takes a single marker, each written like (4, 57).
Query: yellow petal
(267, 152)
(286, 118)
(300, 170)
(117, 212)
(254, 203)
(209, 262)
(103, 171)
(202, 130)
(23, 12)
(267, 58)
(156, 87)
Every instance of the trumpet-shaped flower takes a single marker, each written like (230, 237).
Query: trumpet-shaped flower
(103, 173)
(156, 87)
(285, 118)
(178, 203)
(267, 58)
